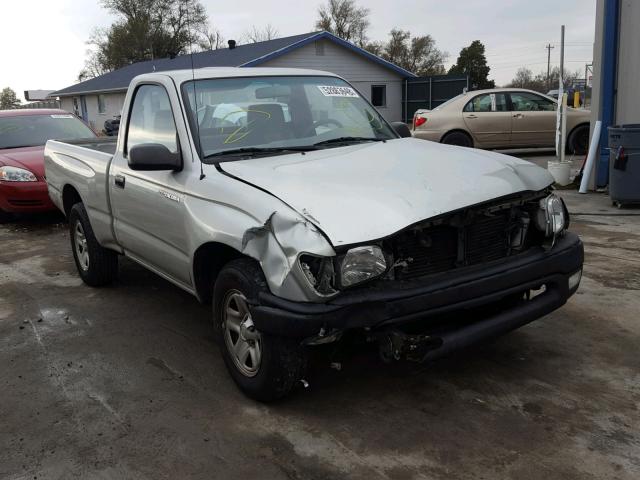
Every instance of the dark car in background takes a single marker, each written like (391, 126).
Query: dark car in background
(23, 134)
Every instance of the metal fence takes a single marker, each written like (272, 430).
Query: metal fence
(41, 104)
(429, 92)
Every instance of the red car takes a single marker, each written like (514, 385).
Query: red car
(23, 134)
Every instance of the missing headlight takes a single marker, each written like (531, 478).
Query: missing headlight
(319, 273)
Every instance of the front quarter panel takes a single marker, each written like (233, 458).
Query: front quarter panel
(225, 210)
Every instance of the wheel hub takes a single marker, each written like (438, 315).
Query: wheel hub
(242, 340)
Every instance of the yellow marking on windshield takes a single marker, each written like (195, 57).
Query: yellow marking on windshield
(238, 134)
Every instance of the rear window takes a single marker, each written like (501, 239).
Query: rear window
(34, 130)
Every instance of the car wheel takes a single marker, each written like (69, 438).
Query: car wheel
(96, 265)
(457, 138)
(265, 367)
(5, 217)
(579, 140)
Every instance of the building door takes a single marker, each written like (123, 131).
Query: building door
(83, 106)
(76, 107)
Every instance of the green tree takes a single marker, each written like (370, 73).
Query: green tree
(144, 30)
(8, 99)
(473, 62)
(345, 19)
(418, 54)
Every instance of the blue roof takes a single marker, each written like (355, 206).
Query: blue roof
(249, 55)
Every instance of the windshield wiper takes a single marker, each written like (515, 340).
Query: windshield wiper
(250, 151)
(349, 140)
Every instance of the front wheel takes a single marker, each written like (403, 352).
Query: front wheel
(578, 141)
(96, 265)
(265, 367)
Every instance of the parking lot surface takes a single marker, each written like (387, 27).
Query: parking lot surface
(127, 382)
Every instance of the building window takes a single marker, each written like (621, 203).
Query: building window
(319, 48)
(101, 104)
(379, 95)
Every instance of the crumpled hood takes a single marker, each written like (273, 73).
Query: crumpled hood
(30, 158)
(369, 191)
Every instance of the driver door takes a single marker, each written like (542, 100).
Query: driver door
(149, 206)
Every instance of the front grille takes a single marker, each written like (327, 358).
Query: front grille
(465, 238)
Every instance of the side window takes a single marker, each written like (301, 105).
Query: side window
(101, 104)
(379, 95)
(151, 119)
(527, 102)
(488, 102)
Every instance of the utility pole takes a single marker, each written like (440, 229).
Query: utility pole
(549, 47)
(562, 55)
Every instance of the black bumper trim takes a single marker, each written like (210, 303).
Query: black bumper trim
(446, 293)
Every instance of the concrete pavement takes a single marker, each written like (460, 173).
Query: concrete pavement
(126, 382)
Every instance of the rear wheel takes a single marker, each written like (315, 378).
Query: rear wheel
(457, 138)
(579, 140)
(96, 265)
(265, 367)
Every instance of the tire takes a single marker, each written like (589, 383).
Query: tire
(265, 367)
(578, 141)
(96, 265)
(5, 217)
(457, 138)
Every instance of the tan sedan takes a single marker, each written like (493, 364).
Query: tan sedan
(501, 118)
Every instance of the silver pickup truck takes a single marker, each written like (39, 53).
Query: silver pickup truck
(287, 201)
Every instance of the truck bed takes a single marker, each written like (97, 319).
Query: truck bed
(101, 144)
(82, 166)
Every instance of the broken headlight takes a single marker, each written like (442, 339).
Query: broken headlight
(319, 273)
(361, 264)
(552, 217)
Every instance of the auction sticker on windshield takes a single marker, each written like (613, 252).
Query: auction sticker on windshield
(333, 91)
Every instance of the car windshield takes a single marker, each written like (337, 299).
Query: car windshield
(267, 114)
(35, 130)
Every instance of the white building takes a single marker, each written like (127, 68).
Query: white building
(101, 98)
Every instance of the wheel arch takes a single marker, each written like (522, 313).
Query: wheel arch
(586, 125)
(579, 125)
(459, 130)
(70, 197)
(208, 260)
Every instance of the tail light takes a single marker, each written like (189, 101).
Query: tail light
(417, 121)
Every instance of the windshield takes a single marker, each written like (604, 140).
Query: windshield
(35, 130)
(271, 113)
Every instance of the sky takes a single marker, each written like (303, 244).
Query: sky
(43, 46)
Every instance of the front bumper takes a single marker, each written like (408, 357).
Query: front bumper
(25, 197)
(444, 295)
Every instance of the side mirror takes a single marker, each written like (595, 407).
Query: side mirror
(401, 129)
(154, 156)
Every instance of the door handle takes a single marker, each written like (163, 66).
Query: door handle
(119, 181)
(518, 115)
(472, 116)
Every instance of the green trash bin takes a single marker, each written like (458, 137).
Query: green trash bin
(624, 164)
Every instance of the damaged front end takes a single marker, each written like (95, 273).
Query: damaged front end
(428, 289)
(471, 236)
